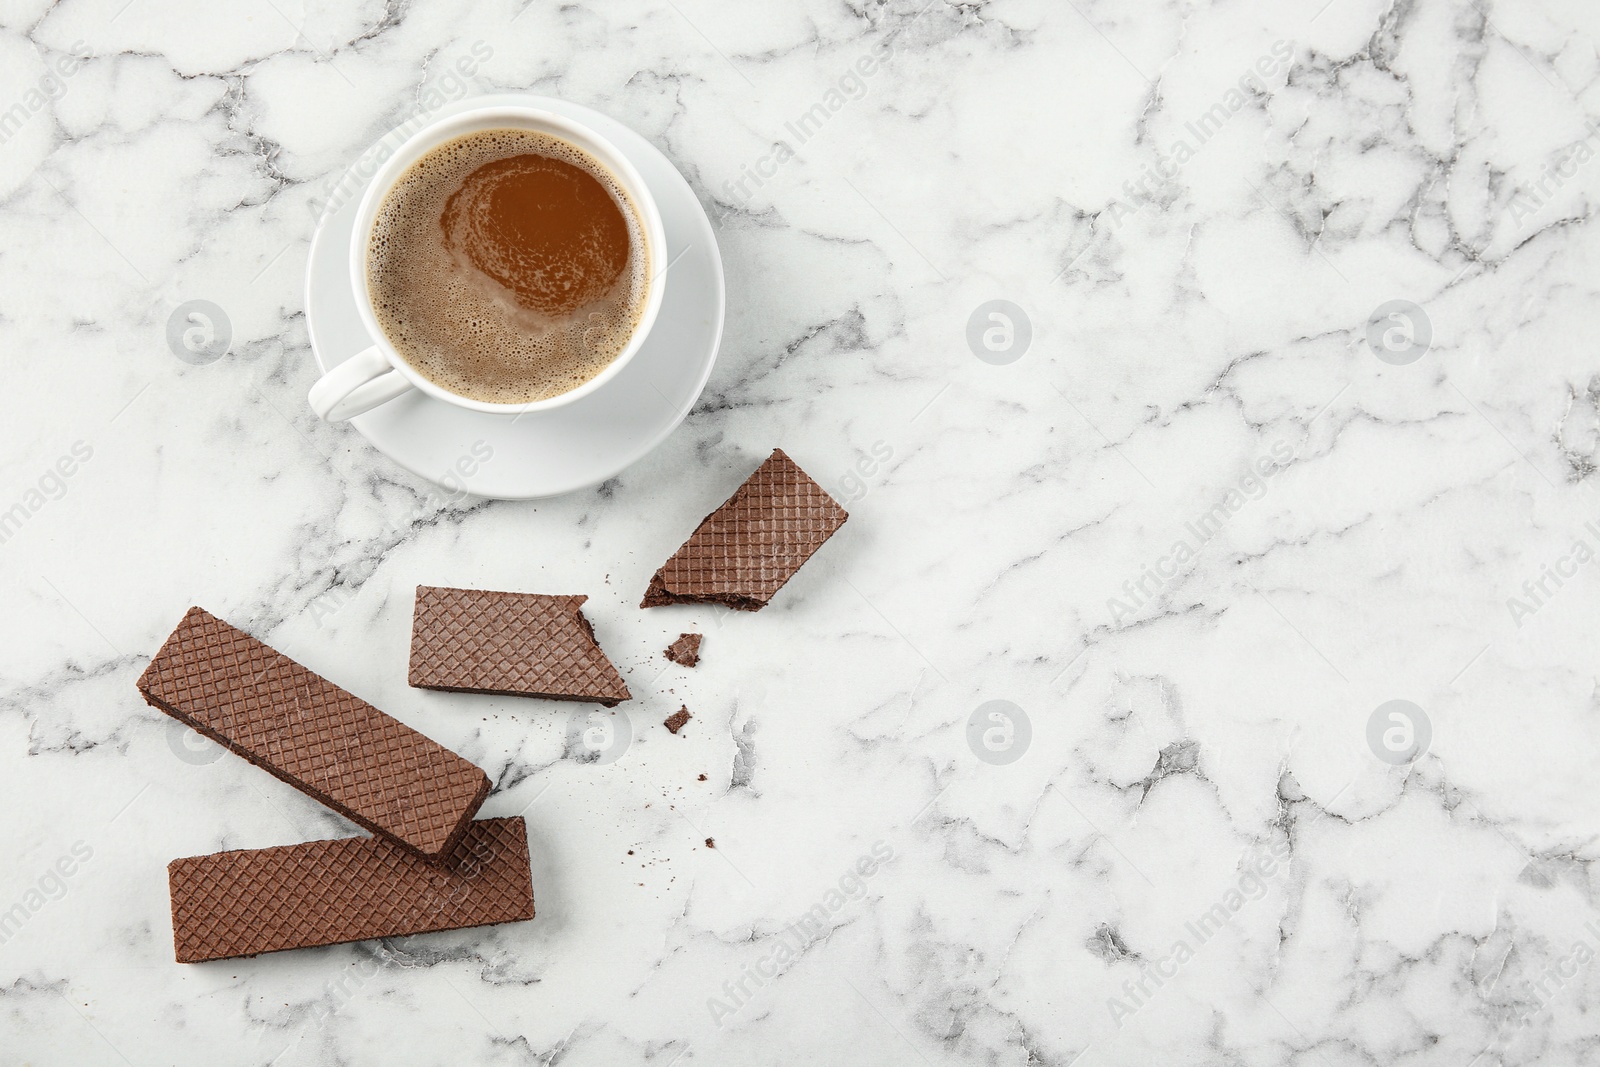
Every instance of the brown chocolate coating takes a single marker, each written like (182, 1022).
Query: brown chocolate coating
(513, 644)
(743, 553)
(250, 901)
(300, 727)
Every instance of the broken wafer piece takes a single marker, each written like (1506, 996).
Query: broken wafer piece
(250, 901)
(742, 553)
(678, 720)
(513, 644)
(298, 726)
(685, 651)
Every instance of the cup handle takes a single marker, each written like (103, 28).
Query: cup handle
(359, 384)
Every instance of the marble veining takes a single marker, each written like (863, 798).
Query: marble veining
(1202, 379)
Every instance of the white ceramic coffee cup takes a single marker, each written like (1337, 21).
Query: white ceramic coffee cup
(378, 373)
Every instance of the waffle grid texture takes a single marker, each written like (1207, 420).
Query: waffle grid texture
(243, 903)
(513, 644)
(324, 741)
(742, 554)
(685, 651)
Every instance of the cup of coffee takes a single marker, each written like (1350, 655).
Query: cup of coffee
(504, 260)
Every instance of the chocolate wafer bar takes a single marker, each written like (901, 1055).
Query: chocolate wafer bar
(329, 744)
(250, 901)
(742, 553)
(513, 644)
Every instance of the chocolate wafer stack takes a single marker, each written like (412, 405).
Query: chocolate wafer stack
(429, 866)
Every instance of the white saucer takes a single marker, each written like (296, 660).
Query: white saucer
(582, 443)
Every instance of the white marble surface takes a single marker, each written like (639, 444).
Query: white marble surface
(1195, 311)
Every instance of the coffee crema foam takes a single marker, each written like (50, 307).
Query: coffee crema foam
(508, 266)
